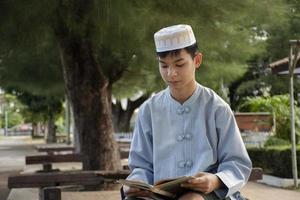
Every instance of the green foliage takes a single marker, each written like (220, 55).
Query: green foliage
(258, 82)
(277, 44)
(274, 141)
(29, 55)
(121, 33)
(218, 75)
(60, 125)
(275, 47)
(14, 108)
(279, 105)
(276, 161)
(39, 108)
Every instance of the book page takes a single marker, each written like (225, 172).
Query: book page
(136, 184)
(145, 186)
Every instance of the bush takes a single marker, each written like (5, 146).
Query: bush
(274, 141)
(276, 161)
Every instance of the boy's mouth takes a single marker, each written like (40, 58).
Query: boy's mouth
(173, 82)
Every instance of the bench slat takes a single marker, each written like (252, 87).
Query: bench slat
(64, 178)
(256, 122)
(54, 149)
(40, 159)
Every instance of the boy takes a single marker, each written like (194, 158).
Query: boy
(187, 129)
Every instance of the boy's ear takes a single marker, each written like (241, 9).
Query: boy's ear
(198, 59)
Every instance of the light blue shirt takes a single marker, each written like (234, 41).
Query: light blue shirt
(201, 135)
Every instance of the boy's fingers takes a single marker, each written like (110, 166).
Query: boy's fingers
(193, 185)
(200, 174)
(196, 180)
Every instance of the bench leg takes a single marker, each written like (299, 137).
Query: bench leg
(47, 167)
(49, 193)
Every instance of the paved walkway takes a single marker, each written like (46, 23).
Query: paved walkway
(14, 149)
(258, 191)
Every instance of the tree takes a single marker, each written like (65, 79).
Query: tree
(100, 42)
(11, 109)
(258, 77)
(122, 117)
(41, 108)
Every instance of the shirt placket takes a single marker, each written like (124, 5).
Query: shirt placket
(184, 138)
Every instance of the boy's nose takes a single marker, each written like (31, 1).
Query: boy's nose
(172, 72)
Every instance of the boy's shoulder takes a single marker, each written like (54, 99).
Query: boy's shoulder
(206, 96)
(156, 98)
(210, 96)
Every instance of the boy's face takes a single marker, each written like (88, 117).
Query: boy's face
(178, 71)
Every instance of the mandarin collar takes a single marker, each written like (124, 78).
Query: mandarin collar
(187, 102)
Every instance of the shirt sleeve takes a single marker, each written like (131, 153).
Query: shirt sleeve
(234, 163)
(140, 159)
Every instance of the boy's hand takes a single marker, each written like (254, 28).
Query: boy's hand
(131, 191)
(204, 182)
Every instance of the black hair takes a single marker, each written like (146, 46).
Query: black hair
(192, 49)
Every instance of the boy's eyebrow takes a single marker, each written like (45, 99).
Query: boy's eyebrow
(179, 59)
(161, 61)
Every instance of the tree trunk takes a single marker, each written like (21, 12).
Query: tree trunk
(87, 86)
(88, 91)
(34, 130)
(89, 94)
(121, 118)
(50, 135)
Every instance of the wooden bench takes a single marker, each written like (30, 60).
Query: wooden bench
(255, 127)
(256, 174)
(48, 160)
(54, 148)
(50, 149)
(50, 183)
(255, 121)
(61, 138)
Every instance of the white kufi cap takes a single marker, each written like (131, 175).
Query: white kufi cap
(174, 37)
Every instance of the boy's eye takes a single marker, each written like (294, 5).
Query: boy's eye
(181, 65)
(163, 66)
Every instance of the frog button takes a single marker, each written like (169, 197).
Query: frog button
(189, 163)
(188, 136)
(180, 111)
(181, 164)
(180, 138)
(187, 109)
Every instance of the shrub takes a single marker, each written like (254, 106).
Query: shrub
(274, 141)
(274, 160)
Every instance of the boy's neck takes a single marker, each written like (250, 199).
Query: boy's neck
(183, 94)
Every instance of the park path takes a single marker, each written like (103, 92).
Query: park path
(13, 150)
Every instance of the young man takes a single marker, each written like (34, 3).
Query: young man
(187, 129)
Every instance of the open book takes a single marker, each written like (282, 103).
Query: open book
(167, 187)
